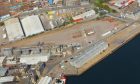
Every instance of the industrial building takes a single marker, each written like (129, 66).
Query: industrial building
(14, 29)
(83, 16)
(83, 57)
(45, 22)
(32, 25)
(58, 1)
(132, 11)
(121, 3)
(45, 80)
(2, 60)
(3, 71)
(34, 59)
(7, 52)
(71, 2)
(7, 79)
(84, 2)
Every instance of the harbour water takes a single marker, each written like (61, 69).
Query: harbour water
(121, 67)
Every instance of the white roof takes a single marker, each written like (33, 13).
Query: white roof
(32, 25)
(55, 1)
(45, 80)
(119, 2)
(10, 62)
(91, 52)
(10, 57)
(138, 1)
(2, 59)
(86, 14)
(6, 79)
(13, 28)
(34, 59)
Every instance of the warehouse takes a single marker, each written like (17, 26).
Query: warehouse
(81, 58)
(14, 29)
(3, 71)
(34, 59)
(83, 16)
(45, 22)
(121, 3)
(32, 25)
(2, 60)
(7, 79)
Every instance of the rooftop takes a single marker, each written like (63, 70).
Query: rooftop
(3, 71)
(6, 79)
(2, 59)
(34, 59)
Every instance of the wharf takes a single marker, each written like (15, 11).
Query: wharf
(61, 35)
(115, 41)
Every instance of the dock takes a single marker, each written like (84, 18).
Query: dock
(114, 41)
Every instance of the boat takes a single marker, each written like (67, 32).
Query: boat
(61, 80)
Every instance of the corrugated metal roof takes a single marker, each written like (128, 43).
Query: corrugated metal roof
(3, 71)
(45, 22)
(2, 59)
(32, 25)
(13, 28)
(81, 58)
(7, 51)
(34, 59)
(6, 79)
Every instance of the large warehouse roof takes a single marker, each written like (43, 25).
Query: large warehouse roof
(2, 59)
(14, 30)
(45, 22)
(6, 79)
(32, 25)
(34, 59)
(81, 58)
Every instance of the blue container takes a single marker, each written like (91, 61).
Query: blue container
(50, 2)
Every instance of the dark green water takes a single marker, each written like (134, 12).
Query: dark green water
(121, 67)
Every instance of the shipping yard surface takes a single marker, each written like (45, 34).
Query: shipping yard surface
(66, 35)
(115, 41)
